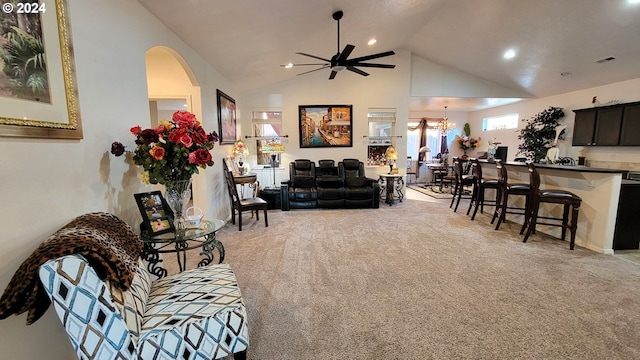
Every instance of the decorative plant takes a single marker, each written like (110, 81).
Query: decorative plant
(173, 151)
(466, 142)
(23, 62)
(539, 132)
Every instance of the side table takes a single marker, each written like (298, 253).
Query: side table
(391, 186)
(202, 236)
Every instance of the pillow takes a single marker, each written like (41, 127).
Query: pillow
(303, 182)
(356, 181)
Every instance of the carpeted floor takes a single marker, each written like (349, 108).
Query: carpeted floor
(418, 281)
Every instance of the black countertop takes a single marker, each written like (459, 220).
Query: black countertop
(566, 167)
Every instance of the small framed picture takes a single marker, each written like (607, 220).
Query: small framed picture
(156, 214)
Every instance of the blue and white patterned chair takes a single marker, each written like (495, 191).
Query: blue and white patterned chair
(195, 314)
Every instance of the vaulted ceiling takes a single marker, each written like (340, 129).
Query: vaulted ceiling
(558, 43)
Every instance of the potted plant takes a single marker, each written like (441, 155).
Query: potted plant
(539, 132)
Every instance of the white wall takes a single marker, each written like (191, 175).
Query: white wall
(607, 156)
(46, 183)
(384, 88)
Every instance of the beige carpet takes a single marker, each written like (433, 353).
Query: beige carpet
(418, 281)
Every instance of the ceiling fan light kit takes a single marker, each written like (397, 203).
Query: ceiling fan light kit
(341, 61)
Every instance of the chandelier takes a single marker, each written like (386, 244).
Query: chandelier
(445, 126)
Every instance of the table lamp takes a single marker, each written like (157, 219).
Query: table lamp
(391, 155)
(240, 150)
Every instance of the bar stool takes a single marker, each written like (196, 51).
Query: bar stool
(480, 185)
(563, 197)
(461, 180)
(504, 190)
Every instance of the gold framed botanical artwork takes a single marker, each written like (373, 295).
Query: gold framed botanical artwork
(38, 88)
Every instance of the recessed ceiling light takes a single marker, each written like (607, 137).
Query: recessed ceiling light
(372, 41)
(288, 66)
(634, 2)
(509, 54)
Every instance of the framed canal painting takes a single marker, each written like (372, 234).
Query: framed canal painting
(325, 126)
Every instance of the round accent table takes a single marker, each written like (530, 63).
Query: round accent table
(203, 236)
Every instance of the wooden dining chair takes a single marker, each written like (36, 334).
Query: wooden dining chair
(239, 205)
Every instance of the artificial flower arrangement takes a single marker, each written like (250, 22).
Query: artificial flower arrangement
(465, 141)
(173, 151)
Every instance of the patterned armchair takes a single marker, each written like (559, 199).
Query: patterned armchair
(194, 314)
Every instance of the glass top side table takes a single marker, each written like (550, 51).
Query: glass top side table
(203, 236)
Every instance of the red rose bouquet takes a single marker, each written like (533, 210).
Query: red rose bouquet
(173, 151)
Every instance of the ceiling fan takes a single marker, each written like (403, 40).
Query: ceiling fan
(341, 61)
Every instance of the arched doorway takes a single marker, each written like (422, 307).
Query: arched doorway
(172, 86)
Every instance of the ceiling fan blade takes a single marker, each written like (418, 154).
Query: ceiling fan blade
(357, 71)
(313, 56)
(371, 57)
(345, 53)
(310, 71)
(384, 66)
(333, 74)
(301, 65)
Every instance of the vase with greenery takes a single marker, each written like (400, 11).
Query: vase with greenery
(539, 132)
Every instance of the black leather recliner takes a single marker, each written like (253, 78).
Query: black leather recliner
(330, 185)
(359, 190)
(300, 191)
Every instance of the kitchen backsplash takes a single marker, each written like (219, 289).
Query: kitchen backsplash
(631, 166)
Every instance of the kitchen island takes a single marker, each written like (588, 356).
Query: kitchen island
(599, 189)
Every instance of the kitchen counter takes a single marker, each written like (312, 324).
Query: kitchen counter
(599, 189)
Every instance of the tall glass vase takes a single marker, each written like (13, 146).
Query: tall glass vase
(178, 194)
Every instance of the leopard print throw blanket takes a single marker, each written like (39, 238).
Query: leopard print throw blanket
(110, 246)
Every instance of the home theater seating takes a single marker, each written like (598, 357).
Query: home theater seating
(329, 186)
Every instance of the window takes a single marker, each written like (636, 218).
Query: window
(267, 127)
(501, 122)
(433, 139)
(381, 134)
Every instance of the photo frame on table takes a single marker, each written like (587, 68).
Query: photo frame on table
(41, 102)
(325, 125)
(226, 118)
(157, 217)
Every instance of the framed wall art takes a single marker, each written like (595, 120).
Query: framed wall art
(226, 118)
(157, 217)
(325, 126)
(42, 100)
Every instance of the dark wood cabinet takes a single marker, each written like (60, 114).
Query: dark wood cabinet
(630, 133)
(611, 125)
(626, 235)
(584, 128)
